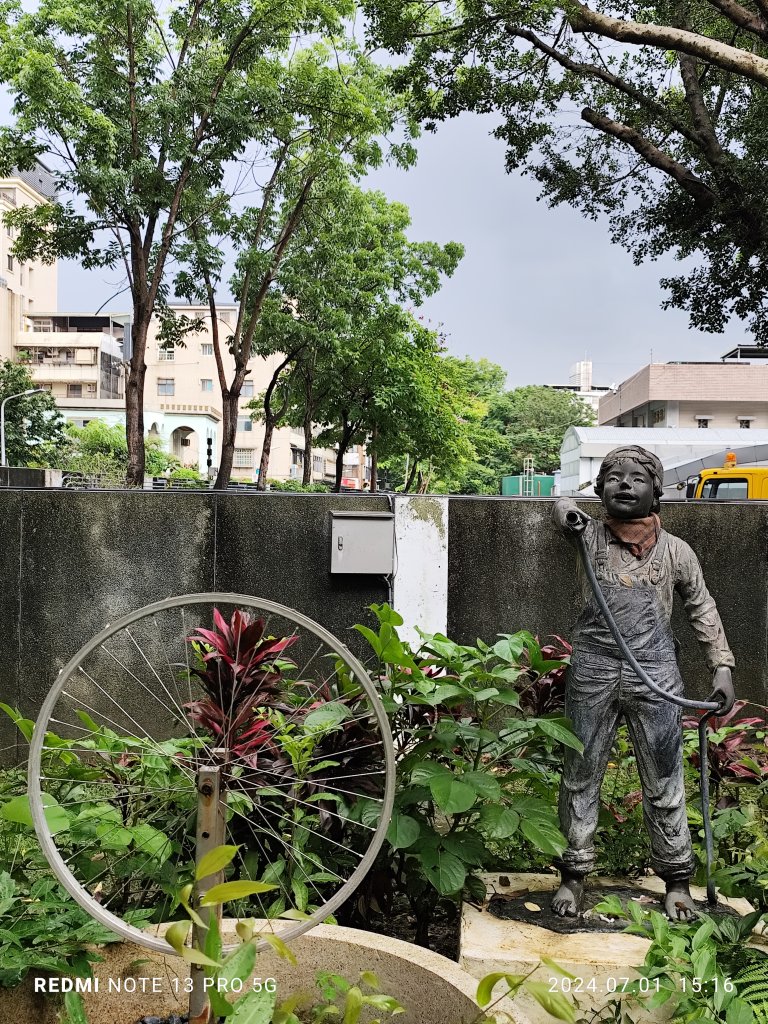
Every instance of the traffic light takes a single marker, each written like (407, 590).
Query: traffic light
(209, 452)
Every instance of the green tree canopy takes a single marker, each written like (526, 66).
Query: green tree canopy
(342, 309)
(144, 112)
(34, 429)
(100, 450)
(653, 116)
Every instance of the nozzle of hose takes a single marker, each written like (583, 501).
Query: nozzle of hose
(574, 522)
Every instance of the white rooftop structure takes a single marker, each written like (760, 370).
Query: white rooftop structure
(584, 448)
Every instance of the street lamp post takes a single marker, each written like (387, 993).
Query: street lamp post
(20, 394)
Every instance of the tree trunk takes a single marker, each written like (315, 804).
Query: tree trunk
(307, 474)
(411, 476)
(228, 431)
(266, 449)
(134, 403)
(339, 467)
(374, 462)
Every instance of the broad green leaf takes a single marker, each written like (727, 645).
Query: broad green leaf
(559, 729)
(483, 783)
(466, 845)
(215, 860)
(556, 967)
(87, 721)
(279, 947)
(452, 796)
(151, 842)
(425, 771)
(403, 831)
(238, 965)
(703, 932)
(444, 870)
(196, 956)
(487, 984)
(352, 1005)
(739, 1012)
(19, 811)
(328, 716)
(498, 822)
(24, 725)
(176, 935)
(703, 961)
(233, 891)
(554, 1003)
(254, 1008)
(546, 836)
(113, 837)
(294, 915)
(75, 1008)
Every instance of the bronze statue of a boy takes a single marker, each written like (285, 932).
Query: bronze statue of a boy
(638, 566)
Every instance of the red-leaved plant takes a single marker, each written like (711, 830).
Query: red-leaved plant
(734, 751)
(241, 670)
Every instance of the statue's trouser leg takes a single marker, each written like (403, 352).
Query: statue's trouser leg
(592, 702)
(654, 725)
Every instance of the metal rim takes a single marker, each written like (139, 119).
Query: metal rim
(51, 852)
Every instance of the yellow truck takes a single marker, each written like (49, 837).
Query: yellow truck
(730, 483)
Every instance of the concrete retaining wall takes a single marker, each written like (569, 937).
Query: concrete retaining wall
(72, 561)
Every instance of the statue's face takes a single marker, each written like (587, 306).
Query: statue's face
(628, 491)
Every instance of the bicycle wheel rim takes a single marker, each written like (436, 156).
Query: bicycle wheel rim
(53, 855)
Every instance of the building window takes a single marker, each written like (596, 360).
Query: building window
(243, 458)
(74, 390)
(166, 355)
(206, 384)
(247, 391)
(206, 349)
(317, 463)
(244, 423)
(703, 422)
(166, 386)
(744, 422)
(91, 388)
(9, 260)
(658, 415)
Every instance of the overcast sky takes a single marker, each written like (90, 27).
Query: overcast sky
(537, 289)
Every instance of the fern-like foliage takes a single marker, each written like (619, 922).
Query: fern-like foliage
(751, 982)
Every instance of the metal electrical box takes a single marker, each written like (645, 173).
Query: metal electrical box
(363, 542)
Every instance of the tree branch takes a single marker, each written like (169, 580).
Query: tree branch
(686, 179)
(701, 119)
(610, 79)
(742, 17)
(664, 37)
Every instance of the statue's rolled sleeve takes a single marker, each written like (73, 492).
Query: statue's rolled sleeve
(701, 609)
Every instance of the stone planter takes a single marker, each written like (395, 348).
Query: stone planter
(133, 982)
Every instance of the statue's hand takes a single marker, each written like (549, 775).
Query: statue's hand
(722, 689)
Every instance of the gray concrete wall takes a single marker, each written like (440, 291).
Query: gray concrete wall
(509, 570)
(71, 561)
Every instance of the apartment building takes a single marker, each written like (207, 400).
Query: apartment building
(24, 288)
(74, 355)
(79, 358)
(730, 394)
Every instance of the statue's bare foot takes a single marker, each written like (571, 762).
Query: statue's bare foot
(678, 904)
(568, 899)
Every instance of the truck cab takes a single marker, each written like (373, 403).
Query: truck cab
(731, 483)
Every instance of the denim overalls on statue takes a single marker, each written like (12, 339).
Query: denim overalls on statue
(601, 689)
